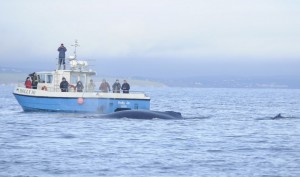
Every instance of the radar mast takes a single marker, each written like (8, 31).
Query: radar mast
(75, 46)
(74, 63)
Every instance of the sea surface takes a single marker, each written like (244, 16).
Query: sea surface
(225, 132)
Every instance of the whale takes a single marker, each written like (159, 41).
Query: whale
(144, 114)
(278, 116)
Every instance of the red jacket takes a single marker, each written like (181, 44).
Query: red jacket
(28, 84)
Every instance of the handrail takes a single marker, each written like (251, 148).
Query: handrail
(57, 89)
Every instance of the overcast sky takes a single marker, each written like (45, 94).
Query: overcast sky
(155, 37)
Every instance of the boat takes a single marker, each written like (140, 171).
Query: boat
(49, 97)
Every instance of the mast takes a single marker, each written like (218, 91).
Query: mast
(74, 63)
(75, 46)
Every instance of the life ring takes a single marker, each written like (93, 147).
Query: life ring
(73, 87)
(44, 88)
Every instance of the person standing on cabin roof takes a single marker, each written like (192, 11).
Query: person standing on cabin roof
(116, 87)
(61, 57)
(79, 86)
(64, 85)
(104, 86)
(125, 87)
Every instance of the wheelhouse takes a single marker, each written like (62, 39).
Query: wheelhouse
(51, 80)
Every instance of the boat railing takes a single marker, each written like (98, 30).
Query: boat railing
(72, 89)
(131, 92)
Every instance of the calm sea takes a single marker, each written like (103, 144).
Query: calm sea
(226, 132)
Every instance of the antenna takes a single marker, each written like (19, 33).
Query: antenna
(75, 45)
(74, 63)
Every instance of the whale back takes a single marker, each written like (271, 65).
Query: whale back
(174, 114)
(144, 114)
(278, 116)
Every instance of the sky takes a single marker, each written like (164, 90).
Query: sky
(155, 38)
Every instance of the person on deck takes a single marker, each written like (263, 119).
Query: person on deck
(79, 86)
(61, 57)
(91, 86)
(34, 80)
(104, 86)
(28, 83)
(125, 87)
(64, 85)
(116, 87)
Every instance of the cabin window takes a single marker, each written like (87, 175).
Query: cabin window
(49, 78)
(41, 78)
(45, 78)
(82, 78)
(73, 79)
(76, 77)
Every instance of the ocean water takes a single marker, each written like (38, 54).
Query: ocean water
(225, 132)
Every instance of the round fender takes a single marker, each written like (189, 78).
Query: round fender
(80, 100)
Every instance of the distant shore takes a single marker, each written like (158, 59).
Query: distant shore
(276, 82)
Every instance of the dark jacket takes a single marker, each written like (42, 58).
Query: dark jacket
(116, 87)
(62, 51)
(34, 83)
(64, 86)
(125, 87)
(79, 86)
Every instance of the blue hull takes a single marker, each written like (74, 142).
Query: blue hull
(67, 104)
